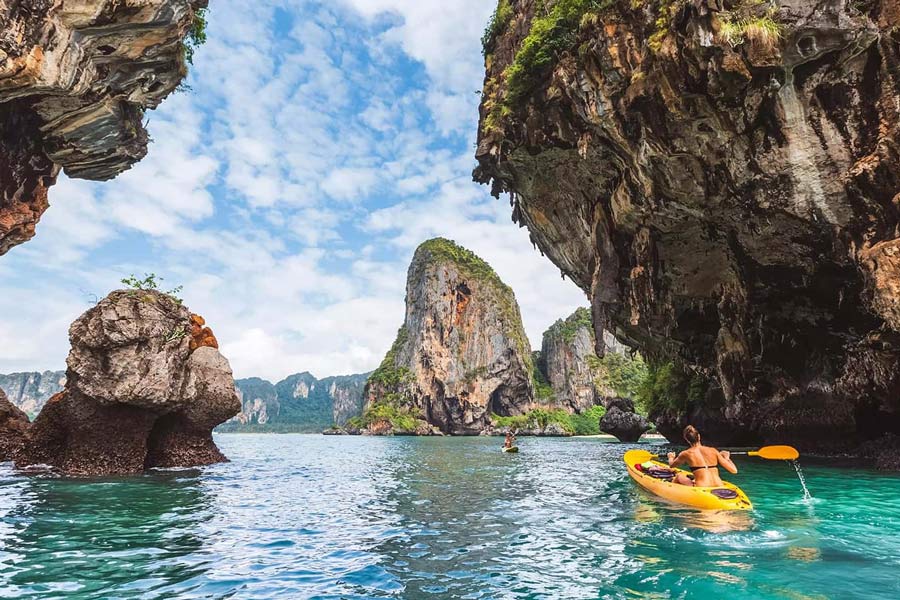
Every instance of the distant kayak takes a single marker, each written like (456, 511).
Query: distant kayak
(656, 477)
(511, 449)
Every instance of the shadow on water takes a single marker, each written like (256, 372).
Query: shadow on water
(82, 538)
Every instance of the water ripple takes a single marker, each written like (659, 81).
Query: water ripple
(321, 517)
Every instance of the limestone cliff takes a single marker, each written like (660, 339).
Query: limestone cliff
(461, 354)
(299, 403)
(570, 365)
(259, 405)
(30, 391)
(75, 79)
(722, 179)
(139, 392)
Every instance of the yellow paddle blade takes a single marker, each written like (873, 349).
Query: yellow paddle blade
(636, 457)
(776, 453)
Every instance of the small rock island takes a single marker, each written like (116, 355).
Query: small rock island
(461, 354)
(145, 387)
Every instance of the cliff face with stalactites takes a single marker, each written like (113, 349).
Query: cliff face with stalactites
(76, 77)
(461, 354)
(722, 179)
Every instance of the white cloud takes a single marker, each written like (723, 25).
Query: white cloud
(288, 191)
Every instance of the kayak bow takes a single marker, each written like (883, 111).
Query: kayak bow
(726, 497)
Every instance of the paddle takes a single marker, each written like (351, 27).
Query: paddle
(767, 452)
(774, 453)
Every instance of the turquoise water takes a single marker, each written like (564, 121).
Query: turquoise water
(296, 516)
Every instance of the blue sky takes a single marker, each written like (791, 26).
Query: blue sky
(320, 144)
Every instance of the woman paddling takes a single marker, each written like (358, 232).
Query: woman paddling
(702, 460)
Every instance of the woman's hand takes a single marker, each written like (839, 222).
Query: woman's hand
(671, 456)
(725, 454)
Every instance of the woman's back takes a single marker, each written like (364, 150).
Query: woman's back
(704, 462)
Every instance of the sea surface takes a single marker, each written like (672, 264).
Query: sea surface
(309, 516)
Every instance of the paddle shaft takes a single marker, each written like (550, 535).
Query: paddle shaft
(767, 452)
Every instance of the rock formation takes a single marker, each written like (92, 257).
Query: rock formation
(461, 354)
(567, 359)
(75, 80)
(622, 421)
(13, 427)
(722, 180)
(299, 403)
(569, 362)
(29, 391)
(136, 395)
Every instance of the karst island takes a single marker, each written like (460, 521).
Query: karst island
(449, 299)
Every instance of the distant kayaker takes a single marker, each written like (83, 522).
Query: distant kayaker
(510, 440)
(702, 460)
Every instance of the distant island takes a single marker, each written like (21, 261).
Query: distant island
(299, 403)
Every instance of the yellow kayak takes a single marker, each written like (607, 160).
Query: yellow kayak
(510, 449)
(726, 497)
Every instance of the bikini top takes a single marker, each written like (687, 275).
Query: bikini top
(704, 467)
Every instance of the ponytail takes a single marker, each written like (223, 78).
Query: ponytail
(691, 435)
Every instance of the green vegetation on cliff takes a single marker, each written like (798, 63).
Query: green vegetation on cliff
(552, 31)
(624, 374)
(568, 328)
(669, 386)
(763, 31)
(499, 20)
(402, 419)
(196, 35)
(543, 391)
(586, 423)
(441, 249)
(388, 374)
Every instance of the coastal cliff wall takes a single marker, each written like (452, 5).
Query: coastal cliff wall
(576, 378)
(722, 179)
(299, 403)
(30, 391)
(76, 78)
(461, 354)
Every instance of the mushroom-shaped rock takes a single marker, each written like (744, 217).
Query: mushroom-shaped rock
(13, 425)
(621, 421)
(136, 396)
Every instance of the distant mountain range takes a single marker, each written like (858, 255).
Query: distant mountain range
(29, 391)
(298, 403)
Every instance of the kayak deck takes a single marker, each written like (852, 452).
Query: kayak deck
(510, 449)
(699, 497)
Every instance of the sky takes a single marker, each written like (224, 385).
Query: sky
(319, 144)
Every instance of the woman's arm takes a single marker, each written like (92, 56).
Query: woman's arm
(674, 461)
(725, 461)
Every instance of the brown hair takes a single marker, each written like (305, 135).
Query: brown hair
(691, 435)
